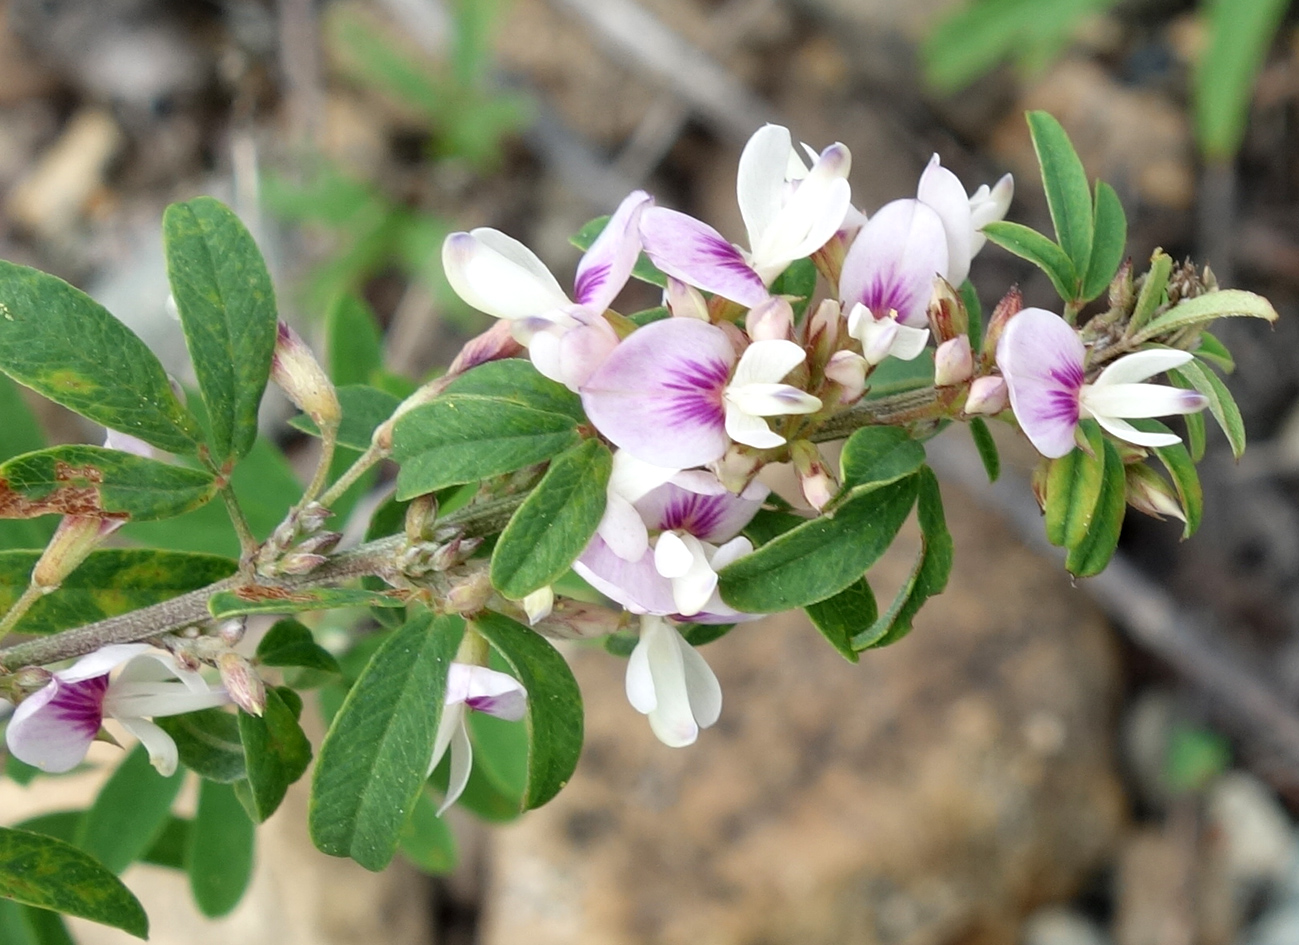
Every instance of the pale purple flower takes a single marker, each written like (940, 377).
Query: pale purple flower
(1042, 360)
(53, 727)
(963, 216)
(482, 690)
(566, 339)
(789, 212)
(883, 336)
(672, 393)
(671, 683)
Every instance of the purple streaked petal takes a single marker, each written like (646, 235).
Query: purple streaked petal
(1041, 358)
(636, 585)
(697, 254)
(659, 394)
(714, 515)
(943, 191)
(892, 263)
(52, 728)
(607, 265)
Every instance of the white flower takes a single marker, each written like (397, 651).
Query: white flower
(755, 392)
(480, 689)
(669, 681)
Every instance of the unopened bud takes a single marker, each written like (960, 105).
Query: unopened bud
(848, 370)
(321, 543)
(772, 320)
(815, 480)
(245, 687)
(823, 330)
(538, 604)
(988, 396)
(31, 678)
(737, 467)
(829, 258)
(685, 301)
(313, 517)
(736, 336)
(1006, 309)
(1150, 493)
(420, 516)
(231, 632)
(947, 316)
(1038, 481)
(297, 372)
(299, 563)
(578, 620)
(1123, 293)
(953, 362)
(74, 539)
(471, 594)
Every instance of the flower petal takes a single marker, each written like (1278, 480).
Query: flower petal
(702, 687)
(147, 700)
(636, 585)
(622, 528)
(770, 400)
(696, 508)
(453, 717)
(1142, 365)
(743, 427)
(811, 215)
(909, 343)
(693, 588)
(1041, 358)
(672, 720)
(892, 263)
(53, 727)
(1126, 431)
(163, 754)
(462, 760)
(499, 275)
(672, 558)
(768, 361)
(606, 266)
(697, 254)
(987, 206)
(1139, 400)
(103, 661)
(760, 179)
(943, 191)
(640, 681)
(659, 394)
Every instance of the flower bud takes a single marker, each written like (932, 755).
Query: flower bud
(738, 339)
(245, 687)
(737, 467)
(578, 620)
(848, 370)
(988, 395)
(297, 372)
(1038, 482)
(953, 362)
(420, 516)
(772, 320)
(685, 301)
(815, 480)
(231, 632)
(74, 539)
(299, 563)
(947, 316)
(312, 518)
(1149, 492)
(32, 678)
(471, 594)
(1006, 309)
(321, 543)
(1123, 293)
(823, 330)
(538, 604)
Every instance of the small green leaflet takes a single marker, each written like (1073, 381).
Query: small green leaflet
(987, 447)
(1225, 303)
(263, 599)
(1154, 290)
(875, 456)
(1073, 489)
(129, 813)
(1090, 556)
(843, 616)
(219, 856)
(516, 380)
(1109, 243)
(208, 743)
(276, 752)
(20, 433)
(289, 643)
(1221, 404)
(1067, 194)
(353, 342)
(1029, 244)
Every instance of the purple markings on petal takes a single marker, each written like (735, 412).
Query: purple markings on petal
(53, 728)
(589, 281)
(711, 514)
(698, 255)
(79, 704)
(607, 265)
(697, 387)
(1041, 358)
(892, 263)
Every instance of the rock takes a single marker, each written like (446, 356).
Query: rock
(1252, 830)
(1276, 927)
(1147, 731)
(1057, 926)
(1154, 883)
(931, 794)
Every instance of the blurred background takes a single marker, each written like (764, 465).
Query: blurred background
(1111, 763)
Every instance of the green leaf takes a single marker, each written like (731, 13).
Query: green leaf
(821, 557)
(1153, 290)
(60, 824)
(649, 315)
(517, 381)
(1073, 489)
(1181, 470)
(875, 456)
(276, 752)
(1196, 435)
(108, 583)
(986, 446)
(464, 438)
(1224, 303)
(843, 616)
(352, 341)
(1239, 36)
(364, 408)
(169, 849)
(91, 480)
(227, 308)
(129, 812)
(798, 281)
(1109, 244)
(554, 523)
(974, 312)
(1067, 194)
(1090, 556)
(697, 634)
(19, 434)
(289, 643)
(928, 577)
(375, 757)
(426, 840)
(554, 719)
(208, 743)
(40, 871)
(1215, 352)
(219, 858)
(1029, 244)
(265, 599)
(1221, 404)
(25, 925)
(644, 270)
(61, 343)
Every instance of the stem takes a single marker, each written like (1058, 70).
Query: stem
(328, 442)
(247, 541)
(895, 410)
(20, 608)
(372, 456)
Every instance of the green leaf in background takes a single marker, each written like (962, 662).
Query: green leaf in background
(1225, 303)
(465, 438)
(820, 557)
(364, 408)
(25, 925)
(276, 752)
(40, 871)
(1240, 32)
(208, 744)
(62, 343)
(219, 858)
(874, 456)
(168, 850)
(1221, 404)
(93, 481)
(1215, 352)
(374, 760)
(129, 812)
(1067, 194)
(1073, 488)
(1109, 242)
(987, 447)
(1196, 757)
(843, 616)
(644, 270)
(426, 840)
(289, 643)
(554, 720)
(1181, 470)
(1153, 291)
(353, 342)
(1090, 556)
(1029, 244)
(928, 577)
(798, 282)
(227, 308)
(263, 599)
(698, 634)
(109, 582)
(20, 433)
(501, 751)
(554, 523)
(517, 381)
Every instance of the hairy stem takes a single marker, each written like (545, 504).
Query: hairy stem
(364, 462)
(24, 603)
(247, 541)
